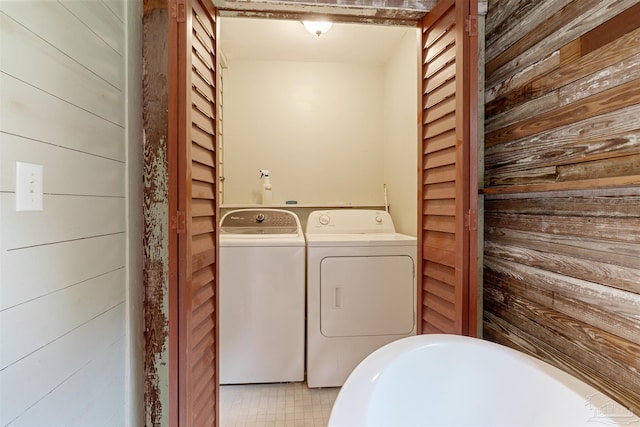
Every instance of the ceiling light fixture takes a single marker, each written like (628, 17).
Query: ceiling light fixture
(317, 27)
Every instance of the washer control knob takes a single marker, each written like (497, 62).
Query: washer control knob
(260, 217)
(324, 219)
(379, 219)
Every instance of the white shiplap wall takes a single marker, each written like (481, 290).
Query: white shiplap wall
(65, 338)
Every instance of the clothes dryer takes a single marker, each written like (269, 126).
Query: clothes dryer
(262, 288)
(361, 290)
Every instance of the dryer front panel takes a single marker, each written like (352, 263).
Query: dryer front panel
(367, 295)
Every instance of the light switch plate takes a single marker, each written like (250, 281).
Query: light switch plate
(29, 187)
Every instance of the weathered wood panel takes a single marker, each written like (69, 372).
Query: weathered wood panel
(571, 25)
(562, 166)
(616, 98)
(395, 12)
(523, 86)
(156, 217)
(504, 333)
(510, 20)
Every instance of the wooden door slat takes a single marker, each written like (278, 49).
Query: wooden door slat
(439, 207)
(445, 125)
(441, 141)
(202, 138)
(440, 174)
(203, 190)
(440, 158)
(441, 290)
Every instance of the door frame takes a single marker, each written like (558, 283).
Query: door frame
(177, 257)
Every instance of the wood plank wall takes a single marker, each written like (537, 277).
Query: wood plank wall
(63, 270)
(562, 186)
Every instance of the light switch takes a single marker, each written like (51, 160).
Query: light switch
(29, 183)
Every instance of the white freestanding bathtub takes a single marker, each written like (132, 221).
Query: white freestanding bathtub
(449, 380)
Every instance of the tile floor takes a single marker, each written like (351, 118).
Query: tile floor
(275, 405)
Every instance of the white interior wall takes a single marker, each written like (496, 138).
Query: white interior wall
(401, 133)
(134, 356)
(318, 127)
(63, 271)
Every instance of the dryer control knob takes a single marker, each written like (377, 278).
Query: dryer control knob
(324, 219)
(260, 217)
(379, 219)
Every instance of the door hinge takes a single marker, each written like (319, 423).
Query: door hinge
(179, 222)
(471, 220)
(471, 25)
(178, 10)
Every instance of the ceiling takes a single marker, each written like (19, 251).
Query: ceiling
(244, 38)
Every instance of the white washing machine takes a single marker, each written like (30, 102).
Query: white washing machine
(361, 290)
(262, 297)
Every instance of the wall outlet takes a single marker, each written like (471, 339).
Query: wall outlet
(29, 187)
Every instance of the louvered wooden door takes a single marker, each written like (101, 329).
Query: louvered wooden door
(195, 220)
(448, 208)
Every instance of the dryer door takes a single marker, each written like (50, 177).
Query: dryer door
(367, 295)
